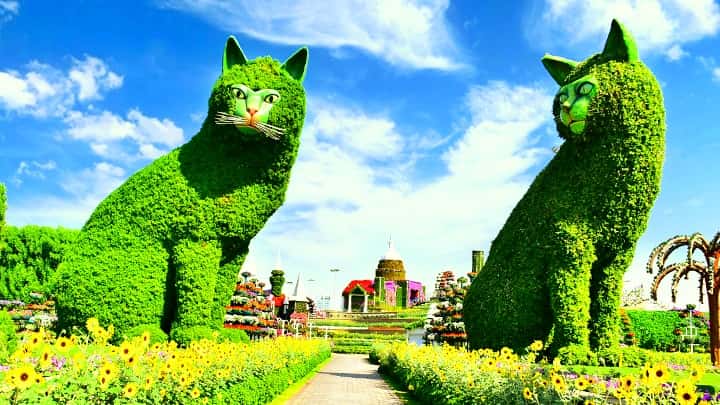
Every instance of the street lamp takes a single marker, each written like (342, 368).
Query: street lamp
(332, 287)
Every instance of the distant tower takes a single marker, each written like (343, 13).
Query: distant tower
(391, 267)
(478, 260)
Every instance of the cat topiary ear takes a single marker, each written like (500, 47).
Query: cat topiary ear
(620, 45)
(296, 65)
(559, 68)
(233, 54)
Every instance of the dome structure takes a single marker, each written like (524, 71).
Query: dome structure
(391, 267)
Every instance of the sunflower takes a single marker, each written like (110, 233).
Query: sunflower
(104, 382)
(686, 396)
(505, 351)
(536, 346)
(527, 393)
(145, 337)
(45, 358)
(195, 393)
(697, 372)
(148, 382)
(589, 402)
(132, 360)
(559, 383)
(24, 377)
(130, 390)
(126, 350)
(108, 370)
(660, 373)
(627, 383)
(581, 383)
(35, 339)
(156, 347)
(63, 344)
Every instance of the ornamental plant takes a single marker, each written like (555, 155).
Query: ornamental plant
(87, 369)
(555, 269)
(449, 375)
(164, 248)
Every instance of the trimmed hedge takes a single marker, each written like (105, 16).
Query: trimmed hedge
(166, 246)
(555, 270)
(8, 337)
(654, 329)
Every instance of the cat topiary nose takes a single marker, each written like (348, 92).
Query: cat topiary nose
(252, 111)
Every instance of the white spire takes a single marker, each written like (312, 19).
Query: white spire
(391, 253)
(248, 265)
(299, 293)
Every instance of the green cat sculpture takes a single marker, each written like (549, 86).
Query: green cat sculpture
(555, 270)
(164, 248)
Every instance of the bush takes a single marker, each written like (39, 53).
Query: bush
(8, 337)
(183, 336)
(157, 335)
(233, 336)
(654, 329)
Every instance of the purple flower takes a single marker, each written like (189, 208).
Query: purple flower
(58, 362)
(707, 397)
(4, 368)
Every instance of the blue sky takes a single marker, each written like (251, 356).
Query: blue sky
(426, 120)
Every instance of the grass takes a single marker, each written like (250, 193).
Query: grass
(292, 390)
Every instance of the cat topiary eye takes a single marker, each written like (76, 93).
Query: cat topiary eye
(586, 88)
(271, 98)
(238, 93)
(562, 98)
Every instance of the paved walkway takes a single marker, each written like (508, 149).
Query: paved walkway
(347, 379)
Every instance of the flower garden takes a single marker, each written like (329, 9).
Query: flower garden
(141, 370)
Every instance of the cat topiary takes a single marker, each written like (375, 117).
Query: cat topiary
(165, 247)
(555, 270)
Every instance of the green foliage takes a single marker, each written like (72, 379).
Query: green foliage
(277, 280)
(165, 247)
(184, 336)
(29, 257)
(3, 206)
(157, 335)
(233, 336)
(654, 329)
(8, 337)
(555, 270)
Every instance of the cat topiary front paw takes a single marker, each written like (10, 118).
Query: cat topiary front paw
(184, 335)
(577, 354)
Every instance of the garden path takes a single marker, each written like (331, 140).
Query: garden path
(346, 379)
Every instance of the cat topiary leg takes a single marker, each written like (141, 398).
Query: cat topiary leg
(606, 292)
(227, 278)
(196, 265)
(569, 270)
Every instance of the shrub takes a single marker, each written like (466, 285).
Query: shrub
(8, 337)
(157, 335)
(183, 336)
(654, 329)
(233, 336)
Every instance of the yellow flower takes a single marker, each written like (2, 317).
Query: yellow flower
(45, 358)
(126, 350)
(559, 383)
(195, 393)
(697, 372)
(163, 392)
(589, 402)
(527, 393)
(536, 346)
(132, 360)
(34, 339)
(104, 382)
(686, 397)
(660, 373)
(148, 382)
(130, 390)
(627, 383)
(505, 351)
(108, 370)
(63, 344)
(145, 337)
(156, 347)
(24, 377)
(92, 324)
(581, 383)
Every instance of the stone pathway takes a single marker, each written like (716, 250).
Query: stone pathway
(347, 379)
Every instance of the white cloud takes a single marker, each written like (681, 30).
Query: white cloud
(675, 53)
(8, 9)
(45, 91)
(32, 169)
(124, 139)
(656, 25)
(339, 193)
(92, 75)
(407, 33)
(716, 74)
(86, 188)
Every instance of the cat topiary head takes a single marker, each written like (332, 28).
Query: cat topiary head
(259, 99)
(612, 92)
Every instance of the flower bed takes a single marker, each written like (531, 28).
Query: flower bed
(447, 375)
(88, 370)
